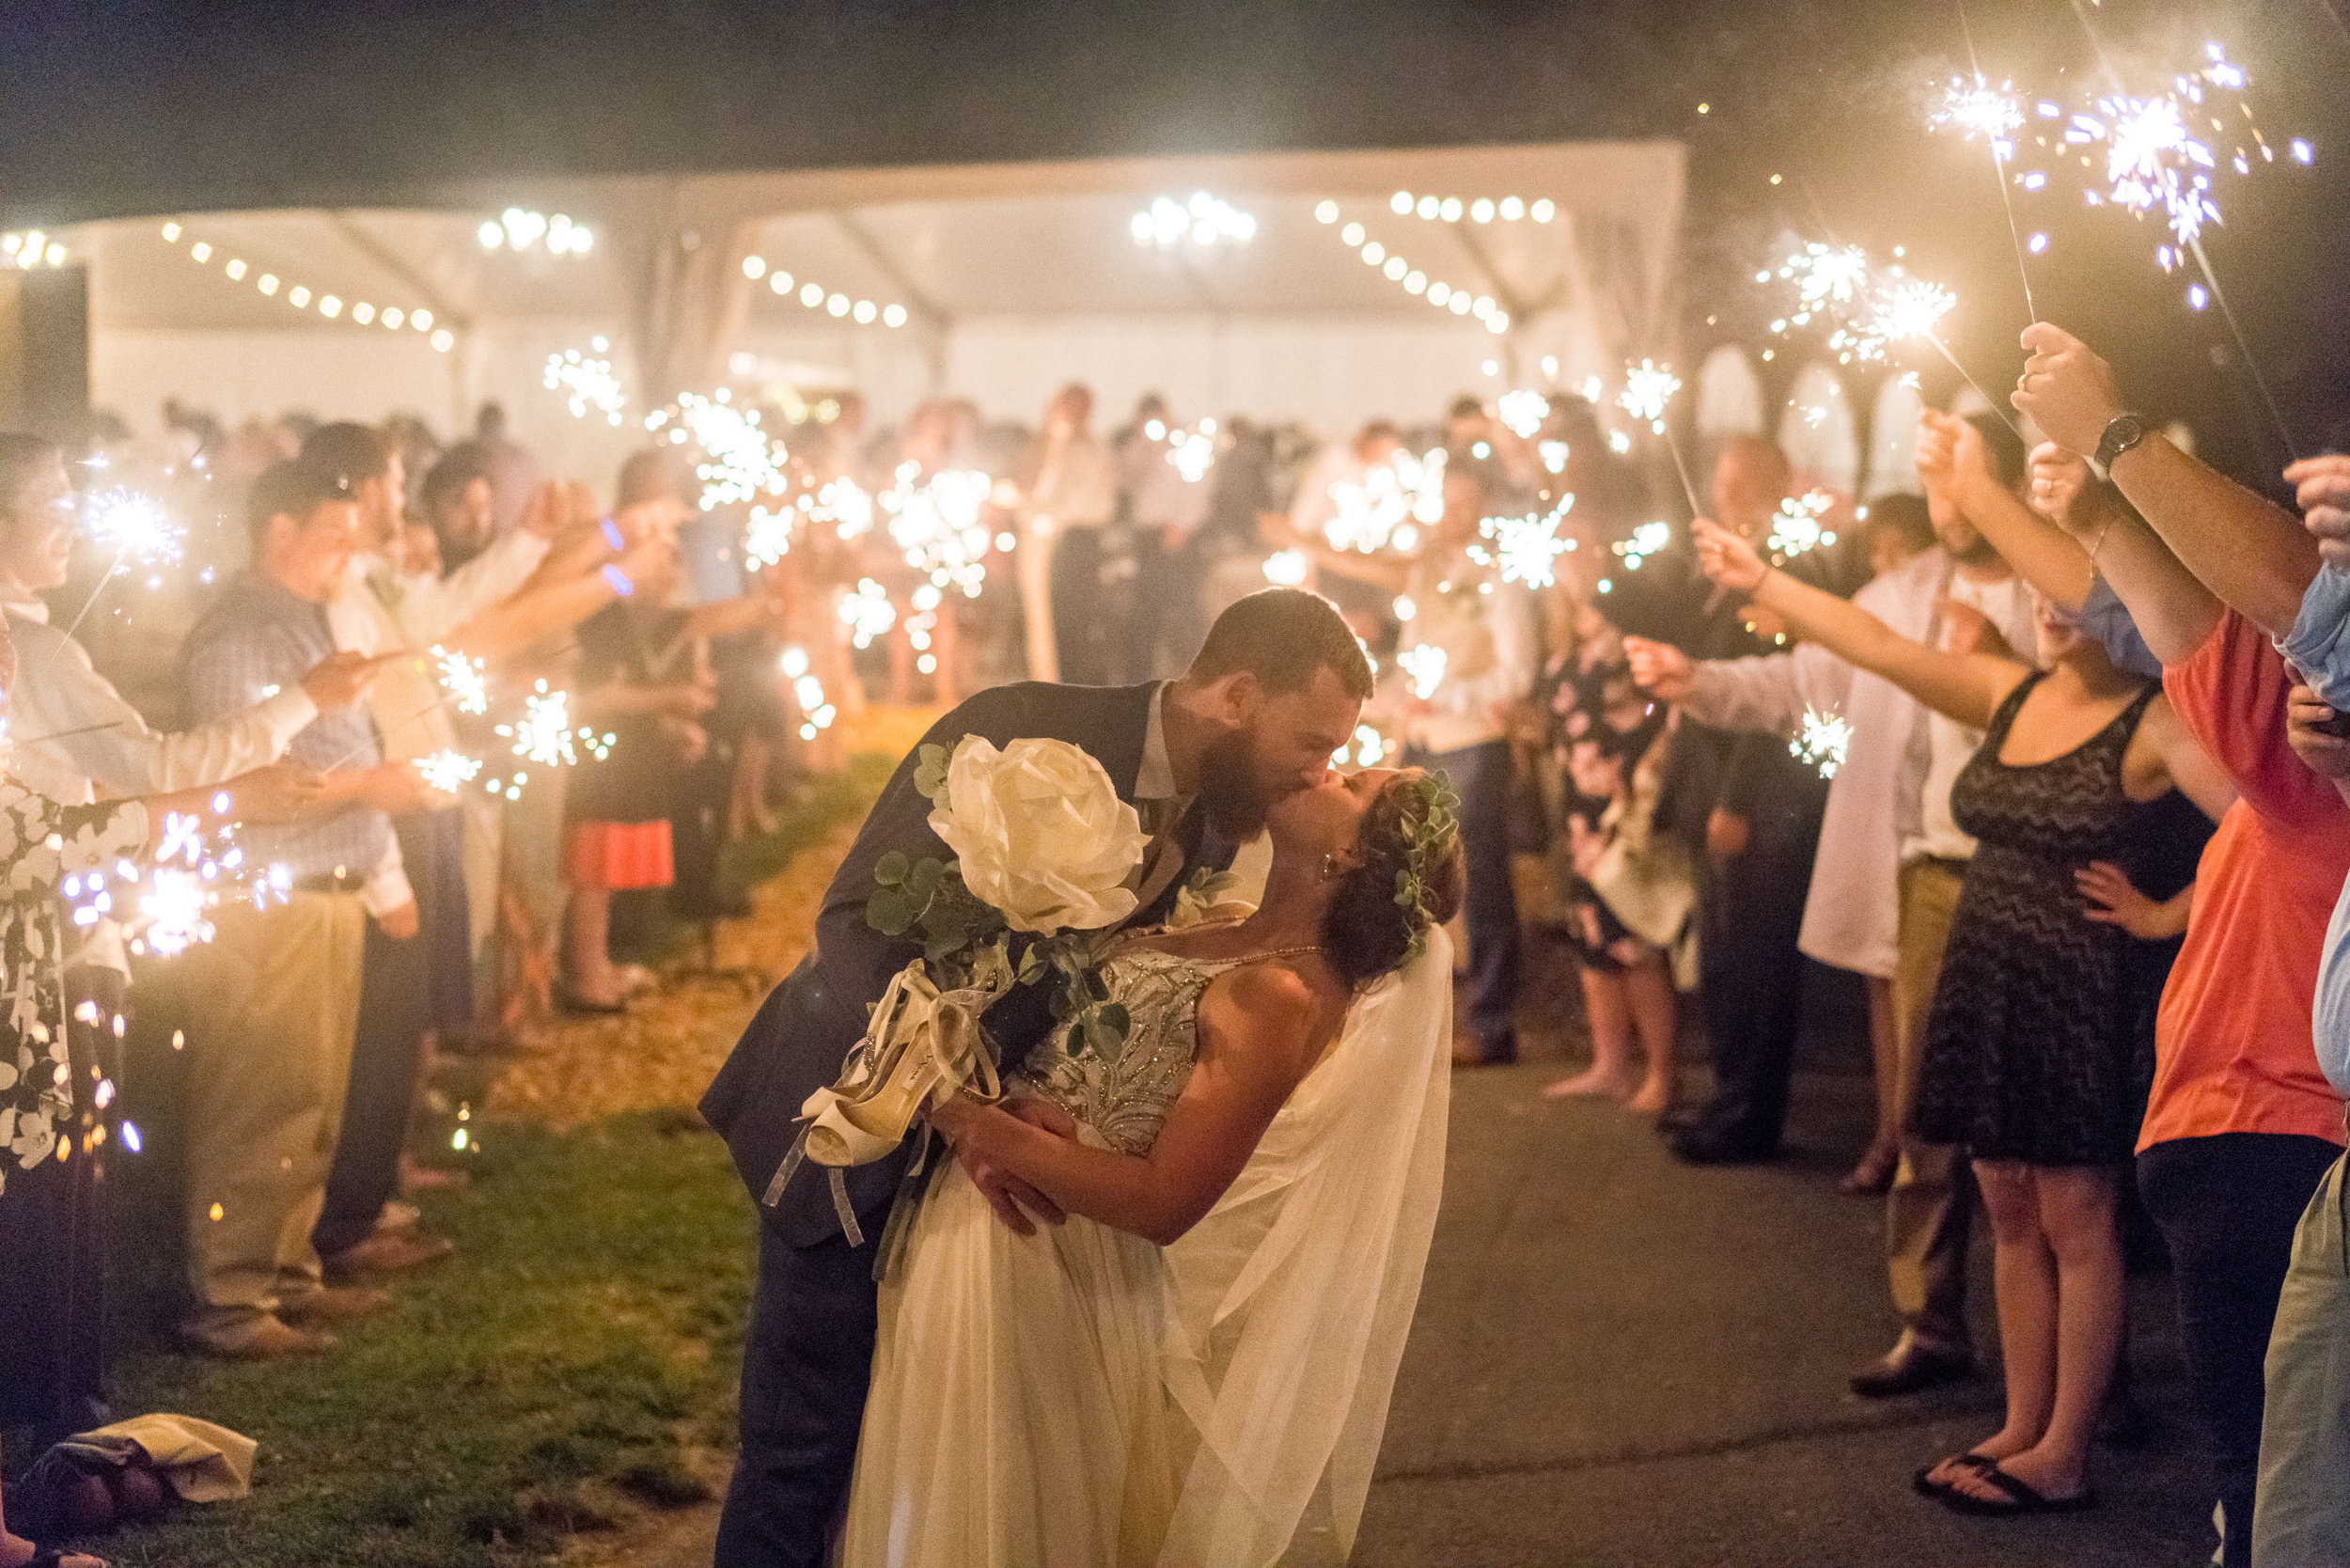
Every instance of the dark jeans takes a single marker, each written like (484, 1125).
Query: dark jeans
(1081, 621)
(395, 1007)
(53, 1239)
(1750, 987)
(1481, 777)
(807, 1364)
(2227, 1205)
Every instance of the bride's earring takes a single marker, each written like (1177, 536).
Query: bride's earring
(1329, 866)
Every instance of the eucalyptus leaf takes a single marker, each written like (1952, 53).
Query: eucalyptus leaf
(1114, 1017)
(1102, 1039)
(889, 911)
(890, 869)
(926, 875)
(930, 772)
(1097, 985)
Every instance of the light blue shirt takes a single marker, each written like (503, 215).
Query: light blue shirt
(2106, 619)
(2319, 647)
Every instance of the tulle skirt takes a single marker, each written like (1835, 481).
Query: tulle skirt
(1018, 1417)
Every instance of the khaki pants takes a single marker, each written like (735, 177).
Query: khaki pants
(2301, 1513)
(1933, 1198)
(273, 1008)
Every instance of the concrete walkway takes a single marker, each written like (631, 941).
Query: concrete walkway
(1621, 1360)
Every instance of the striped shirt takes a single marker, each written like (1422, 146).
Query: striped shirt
(259, 640)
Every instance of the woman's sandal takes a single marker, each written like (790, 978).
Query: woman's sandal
(2022, 1498)
(1925, 1485)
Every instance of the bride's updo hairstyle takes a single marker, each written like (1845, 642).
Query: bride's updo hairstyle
(1409, 877)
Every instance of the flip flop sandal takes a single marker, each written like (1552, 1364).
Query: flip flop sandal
(1925, 1486)
(2022, 1497)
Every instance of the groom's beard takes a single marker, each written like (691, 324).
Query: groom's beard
(1230, 793)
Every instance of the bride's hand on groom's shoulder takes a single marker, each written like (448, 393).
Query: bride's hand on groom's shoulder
(1014, 1199)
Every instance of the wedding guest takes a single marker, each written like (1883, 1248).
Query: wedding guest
(273, 998)
(82, 740)
(514, 472)
(2242, 1122)
(1071, 495)
(1163, 509)
(1629, 891)
(2029, 1060)
(460, 505)
(1750, 814)
(1335, 468)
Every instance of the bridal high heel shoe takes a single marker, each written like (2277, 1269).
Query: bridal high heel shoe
(923, 1046)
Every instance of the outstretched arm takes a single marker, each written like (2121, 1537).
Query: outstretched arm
(2250, 551)
(1256, 1036)
(1951, 462)
(1968, 687)
(2171, 609)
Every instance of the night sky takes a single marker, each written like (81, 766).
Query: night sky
(117, 109)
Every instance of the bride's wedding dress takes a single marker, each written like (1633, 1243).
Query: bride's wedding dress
(1084, 1399)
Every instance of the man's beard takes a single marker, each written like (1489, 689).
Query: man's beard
(1229, 791)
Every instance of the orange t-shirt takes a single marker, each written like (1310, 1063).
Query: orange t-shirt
(2233, 1050)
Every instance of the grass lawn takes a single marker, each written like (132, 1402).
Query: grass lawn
(568, 1372)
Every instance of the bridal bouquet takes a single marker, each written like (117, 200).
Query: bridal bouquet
(1044, 850)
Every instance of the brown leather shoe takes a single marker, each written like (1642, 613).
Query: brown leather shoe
(384, 1253)
(1913, 1366)
(270, 1340)
(333, 1304)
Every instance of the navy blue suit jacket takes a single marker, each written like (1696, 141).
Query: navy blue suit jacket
(806, 1028)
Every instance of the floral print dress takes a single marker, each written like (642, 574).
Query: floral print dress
(42, 844)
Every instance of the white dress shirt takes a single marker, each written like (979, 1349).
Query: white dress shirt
(1853, 913)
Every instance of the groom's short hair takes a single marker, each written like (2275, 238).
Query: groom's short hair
(1284, 637)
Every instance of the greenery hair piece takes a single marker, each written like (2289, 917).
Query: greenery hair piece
(1428, 819)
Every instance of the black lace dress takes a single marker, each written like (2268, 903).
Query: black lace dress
(2031, 1050)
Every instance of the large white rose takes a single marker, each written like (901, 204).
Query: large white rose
(1041, 834)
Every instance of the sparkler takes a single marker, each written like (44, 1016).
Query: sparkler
(1823, 743)
(1993, 114)
(1523, 410)
(1424, 662)
(166, 907)
(1647, 539)
(741, 461)
(1647, 388)
(816, 713)
(936, 524)
(768, 538)
(447, 771)
(1193, 451)
(1526, 548)
(134, 526)
(1387, 505)
(841, 503)
(1796, 528)
(587, 383)
(464, 678)
(868, 612)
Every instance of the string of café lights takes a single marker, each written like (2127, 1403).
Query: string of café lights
(1415, 281)
(815, 296)
(301, 296)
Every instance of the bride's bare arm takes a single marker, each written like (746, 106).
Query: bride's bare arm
(1260, 1028)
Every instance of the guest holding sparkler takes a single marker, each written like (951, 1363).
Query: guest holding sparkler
(81, 739)
(1069, 495)
(1164, 507)
(273, 999)
(1751, 814)
(2243, 1122)
(2029, 1060)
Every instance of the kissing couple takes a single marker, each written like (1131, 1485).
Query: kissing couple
(1150, 1310)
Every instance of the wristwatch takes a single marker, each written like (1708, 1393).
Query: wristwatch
(2122, 433)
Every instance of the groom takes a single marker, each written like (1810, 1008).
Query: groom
(1275, 690)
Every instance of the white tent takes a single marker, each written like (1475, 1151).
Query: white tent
(995, 282)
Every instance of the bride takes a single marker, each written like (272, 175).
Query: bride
(1194, 1368)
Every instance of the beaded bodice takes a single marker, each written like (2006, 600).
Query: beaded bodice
(1127, 1100)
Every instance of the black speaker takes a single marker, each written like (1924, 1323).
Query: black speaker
(44, 351)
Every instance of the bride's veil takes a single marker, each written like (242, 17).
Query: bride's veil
(1289, 1303)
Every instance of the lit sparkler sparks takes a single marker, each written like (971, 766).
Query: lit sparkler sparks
(449, 771)
(936, 523)
(868, 612)
(1389, 504)
(1193, 451)
(843, 504)
(1523, 410)
(741, 461)
(815, 712)
(544, 733)
(1646, 540)
(1796, 528)
(166, 907)
(767, 538)
(587, 382)
(1823, 743)
(1647, 388)
(1978, 109)
(1825, 276)
(464, 679)
(1424, 664)
(1367, 749)
(1288, 568)
(1526, 549)
(132, 527)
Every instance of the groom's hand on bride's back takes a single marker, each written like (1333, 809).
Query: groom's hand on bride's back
(1014, 1199)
